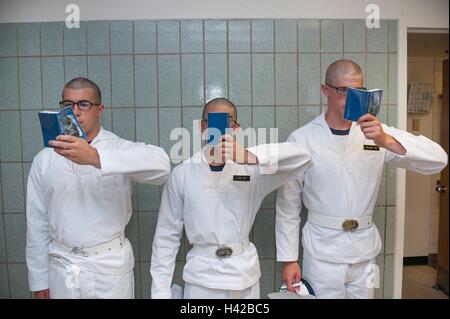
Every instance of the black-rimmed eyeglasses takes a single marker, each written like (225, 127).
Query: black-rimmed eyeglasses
(342, 90)
(82, 105)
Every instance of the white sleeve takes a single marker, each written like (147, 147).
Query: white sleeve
(422, 154)
(144, 163)
(166, 242)
(38, 237)
(287, 221)
(279, 164)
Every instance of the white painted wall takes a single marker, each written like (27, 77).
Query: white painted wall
(422, 201)
(418, 195)
(435, 196)
(417, 13)
(410, 13)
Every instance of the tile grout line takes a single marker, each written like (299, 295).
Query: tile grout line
(297, 98)
(274, 64)
(64, 53)
(180, 59)
(320, 66)
(136, 211)
(297, 71)
(251, 72)
(86, 44)
(158, 127)
(40, 60)
(111, 78)
(187, 52)
(20, 129)
(228, 58)
(205, 99)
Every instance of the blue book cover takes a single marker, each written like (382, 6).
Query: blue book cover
(218, 122)
(360, 102)
(62, 122)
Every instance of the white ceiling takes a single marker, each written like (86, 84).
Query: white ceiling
(428, 45)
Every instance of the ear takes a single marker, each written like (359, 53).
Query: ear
(100, 109)
(325, 90)
(202, 126)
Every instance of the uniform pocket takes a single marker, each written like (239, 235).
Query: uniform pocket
(237, 196)
(368, 164)
(238, 187)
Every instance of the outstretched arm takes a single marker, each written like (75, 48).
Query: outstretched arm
(144, 163)
(405, 150)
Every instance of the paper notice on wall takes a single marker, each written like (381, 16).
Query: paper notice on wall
(420, 97)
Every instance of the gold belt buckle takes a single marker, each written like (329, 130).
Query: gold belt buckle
(350, 224)
(224, 251)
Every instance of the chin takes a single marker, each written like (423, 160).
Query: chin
(85, 130)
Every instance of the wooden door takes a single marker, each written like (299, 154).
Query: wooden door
(442, 262)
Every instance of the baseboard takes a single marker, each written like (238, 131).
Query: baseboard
(415, 261)
(432, 260)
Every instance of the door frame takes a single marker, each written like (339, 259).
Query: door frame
(402, 98)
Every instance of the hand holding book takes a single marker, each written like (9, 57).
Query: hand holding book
(360, 102)
(61, 130)
(76, 150)
(372, 129)
(62, 122)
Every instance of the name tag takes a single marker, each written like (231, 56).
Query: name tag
(241, 178)
(371, 147)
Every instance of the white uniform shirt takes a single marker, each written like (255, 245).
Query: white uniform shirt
(218, 215)
(82, 206)
(343, 184)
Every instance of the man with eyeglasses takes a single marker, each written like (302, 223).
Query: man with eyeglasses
(79, 202)
(340, 241)
(215, 195)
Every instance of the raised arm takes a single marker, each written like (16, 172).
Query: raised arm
(403, 149)
(279, 164)
(145, 163)
(422, 154)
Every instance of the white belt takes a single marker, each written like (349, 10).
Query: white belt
(116, 243)
(346, 224)
(222, 251)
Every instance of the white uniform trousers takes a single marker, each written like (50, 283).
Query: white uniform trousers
(197, 292)
(340, 281)
(68, 281)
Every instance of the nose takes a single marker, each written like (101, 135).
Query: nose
(76, 110)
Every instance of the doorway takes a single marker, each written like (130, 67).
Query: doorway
(424, 219)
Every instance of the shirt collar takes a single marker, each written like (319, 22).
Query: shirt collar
(103, 135)
(320, 120)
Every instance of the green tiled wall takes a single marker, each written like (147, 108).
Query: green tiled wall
(156, 75)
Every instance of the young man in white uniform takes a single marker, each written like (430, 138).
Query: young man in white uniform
(216, 200)
(340, 189)
(79, 202)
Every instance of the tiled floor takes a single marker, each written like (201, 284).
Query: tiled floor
(418, 282)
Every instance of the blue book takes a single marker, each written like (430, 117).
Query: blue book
(360, 102)
(62, 122)
(218, 122)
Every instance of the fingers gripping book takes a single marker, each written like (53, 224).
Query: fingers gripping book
(360, 102)
(62, 122)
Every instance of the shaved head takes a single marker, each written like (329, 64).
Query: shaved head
(83, 83)
(216, 101)
(342, 67)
